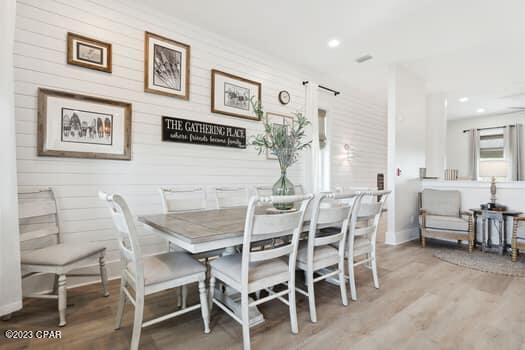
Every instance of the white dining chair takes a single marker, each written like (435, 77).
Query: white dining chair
(43, 250)
(323, 253)
(183, 200)
(251, 271)
(231, 197)
(362, 235)
(150, 274)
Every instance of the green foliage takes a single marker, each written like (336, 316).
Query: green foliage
(285, 142)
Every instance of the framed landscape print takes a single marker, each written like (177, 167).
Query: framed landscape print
(88, 53)
(78, 126)
(166, 66)
(278, 121)
(230, 95)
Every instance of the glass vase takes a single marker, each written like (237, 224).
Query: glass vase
(283, 187)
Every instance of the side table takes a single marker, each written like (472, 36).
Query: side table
(490, 218)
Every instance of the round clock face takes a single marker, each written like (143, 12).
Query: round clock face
(284, 97)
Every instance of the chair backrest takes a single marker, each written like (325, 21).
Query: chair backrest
(329, 210)
(126, 235)
(368, 214)
(183, 199)
(231, 197)
(439, 202)
(262, 226)
(38, 218)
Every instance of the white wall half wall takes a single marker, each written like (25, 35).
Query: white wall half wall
(40, 61)
(406, 152)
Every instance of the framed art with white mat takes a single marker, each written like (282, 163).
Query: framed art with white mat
(278, 121)
(231, 95)
(79, 126)
(89, 53)
(166, 66)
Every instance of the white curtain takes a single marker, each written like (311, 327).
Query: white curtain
(514, 152)
(474, 154)
(312, 163)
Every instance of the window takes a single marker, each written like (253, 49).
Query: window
(491, 144)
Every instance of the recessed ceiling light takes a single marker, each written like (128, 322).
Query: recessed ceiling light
(334, 43)
(463, 99)
(480, 110)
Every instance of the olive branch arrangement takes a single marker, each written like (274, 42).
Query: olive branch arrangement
(285, 142)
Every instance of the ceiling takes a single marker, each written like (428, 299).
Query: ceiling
(468, 48)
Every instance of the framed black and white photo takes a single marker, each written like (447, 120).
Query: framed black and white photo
(166, 66)
(79, 126)
(231, 95)
(278, 121)
(88, 53)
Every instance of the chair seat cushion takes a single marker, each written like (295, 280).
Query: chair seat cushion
(60, 254)
(168, 266)
(450, 223)
(264, 273)
(326, 252)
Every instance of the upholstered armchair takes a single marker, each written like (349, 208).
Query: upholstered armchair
(441, 217)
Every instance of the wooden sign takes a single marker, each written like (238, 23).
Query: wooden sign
(201, 133)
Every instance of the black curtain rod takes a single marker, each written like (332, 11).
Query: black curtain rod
(493, 127)
(324, 88)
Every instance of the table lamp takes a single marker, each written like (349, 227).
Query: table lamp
(493, 169)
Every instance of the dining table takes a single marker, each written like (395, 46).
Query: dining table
(204, 231)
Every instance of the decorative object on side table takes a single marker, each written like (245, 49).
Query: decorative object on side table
(166, 66)
(79, 126)
(284, 97)
(284, 142)
(89, 53)
(494, 169)
(231, 95)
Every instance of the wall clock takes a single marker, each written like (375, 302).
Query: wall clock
(284, 97)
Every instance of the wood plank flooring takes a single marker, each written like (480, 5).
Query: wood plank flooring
(423, 303)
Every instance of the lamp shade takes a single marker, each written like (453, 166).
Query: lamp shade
(493, 168)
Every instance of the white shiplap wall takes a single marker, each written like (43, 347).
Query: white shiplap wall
(40, 61)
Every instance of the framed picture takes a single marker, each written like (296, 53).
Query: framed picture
(278, 121)
(78, 126)
(88, 53)
(230, 95)
(166, 66)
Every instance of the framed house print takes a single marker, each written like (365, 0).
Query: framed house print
(230, 95)
(278, 121)
(88, 53)
(166, 66)
(79, 126)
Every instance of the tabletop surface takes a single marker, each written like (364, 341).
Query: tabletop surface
(200, 226)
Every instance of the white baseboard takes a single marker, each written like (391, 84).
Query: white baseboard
(403, 236)
(9, 308)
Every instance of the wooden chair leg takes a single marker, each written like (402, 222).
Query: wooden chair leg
(211, 292)
(178, 290)
(292, 306)
(121, 304)
(62, 299)
(204, 306)
(351, 278)
(137, 322)
(311, 296)
(245, 317)
(374, 270)
(103, 274)
(342, 282)
(423, 242)
(470, 246)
